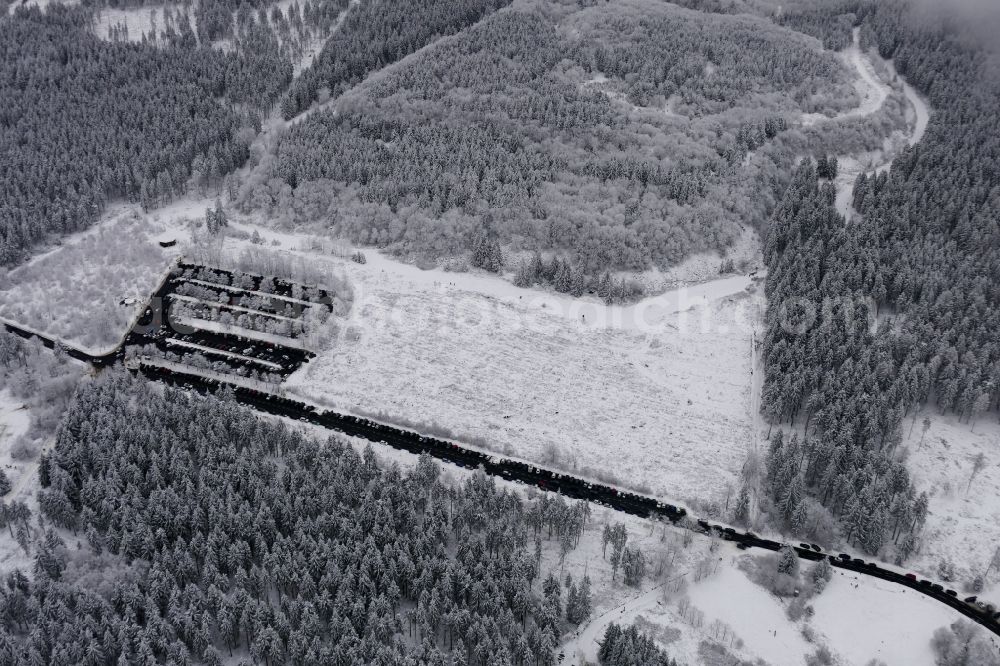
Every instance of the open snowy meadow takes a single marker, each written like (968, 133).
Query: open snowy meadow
(87, 290)
(654, 396)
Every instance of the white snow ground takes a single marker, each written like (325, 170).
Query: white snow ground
(14, 422)
(963, 524)
(139, 21)
(75, 294)
(878, 620)
(758, 616)
(661, 388)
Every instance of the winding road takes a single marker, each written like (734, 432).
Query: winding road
(874, 92)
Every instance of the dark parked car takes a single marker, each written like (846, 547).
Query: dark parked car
(816, 548)
(970, 600)
(937, 587)
(911, 576)
(845, 557)
(951, 593)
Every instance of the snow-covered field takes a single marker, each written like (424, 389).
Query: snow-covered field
(864, 618)
(660, 388)
(963, 524)
(138, 21)
(75, 292)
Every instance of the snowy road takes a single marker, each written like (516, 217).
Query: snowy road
(874, 92)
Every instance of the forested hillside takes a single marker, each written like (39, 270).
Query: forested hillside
(831, 21)
(378, 33)
(616, 134)
(901, 307)
(244, 537)
(83, 121)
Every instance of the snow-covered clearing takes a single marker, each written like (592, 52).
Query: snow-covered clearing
(864, 618)
(730, 597)
(75, 292)
(661, 387)
(14, 422)
(963, 524)
(138, 21)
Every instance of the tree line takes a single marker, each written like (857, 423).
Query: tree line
(378, 33)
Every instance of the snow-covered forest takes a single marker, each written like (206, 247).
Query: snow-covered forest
(564, 129)
(212, 533)
(85, 121)
(735, 258)
(871, 320)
